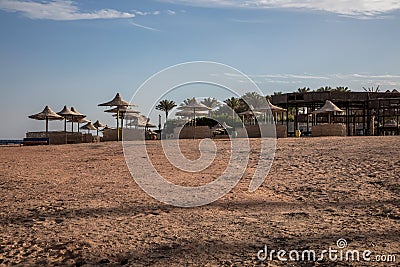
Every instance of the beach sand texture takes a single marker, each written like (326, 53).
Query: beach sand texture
(78, 205)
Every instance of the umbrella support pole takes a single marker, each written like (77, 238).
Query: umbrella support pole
(118, 124)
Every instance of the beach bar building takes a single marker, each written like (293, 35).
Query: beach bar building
(364, 113)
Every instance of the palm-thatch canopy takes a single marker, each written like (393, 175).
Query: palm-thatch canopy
(66, 112)
(47, 114)
(77, 113)
(78, 120)
(250, 112)
(194, 105)
(328, 107)
(117, 102)
(275, 108)
(88, 126)
(122, 110)
(98, 124)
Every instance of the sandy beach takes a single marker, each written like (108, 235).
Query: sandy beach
(75, 205)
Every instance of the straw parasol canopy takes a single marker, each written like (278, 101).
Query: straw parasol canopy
(251, 111)
(98, 125)
(88, 126)
(328, 107)
(67, 114)
(275, 108)
(120, 104)
(117, 102)
(78, 116)
(194, 106)
(47, 115)
(139, 121)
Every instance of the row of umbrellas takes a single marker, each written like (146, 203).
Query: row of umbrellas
(123, 111)
(68, 115)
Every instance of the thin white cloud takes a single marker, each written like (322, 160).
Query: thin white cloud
(384, 76)
(354, 81)
(283, 76)
(351, 8)
(143, 27)
(59, 10)
(170, 12)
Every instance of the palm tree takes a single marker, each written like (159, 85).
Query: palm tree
(211, 103)
(303, 90)
(372, 89)
(166, 106)
(324, 89)
(254, 99)
(234, 104)
(342, 89)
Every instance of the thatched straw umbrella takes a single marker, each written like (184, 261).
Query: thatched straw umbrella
(89, 126)
(124, 111)
(47, 115)
(250, 112)
(329, 108)
(274, 109)
(76, 118)
(66, 113)
(194, 106)
(79, 121)
(119, 103)
(98, 125)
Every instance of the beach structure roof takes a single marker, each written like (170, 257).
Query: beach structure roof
(98, 124)
(105, 128)
(271, 107)
(122, 109)
(194, 105)
(275, 108)
(251, 112)
(328, 107)
(131, 116)
(80, 120)
(88, 126)
(46, 114)
(66, 112)
(77, 113)
(117, 101)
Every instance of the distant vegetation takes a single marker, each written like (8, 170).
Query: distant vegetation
(227, 110)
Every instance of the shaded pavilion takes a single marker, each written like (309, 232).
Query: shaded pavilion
(365, 113)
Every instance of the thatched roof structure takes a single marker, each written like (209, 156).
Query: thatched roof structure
(117, 102)
(328, 107)
(46, 114)
(88, 126)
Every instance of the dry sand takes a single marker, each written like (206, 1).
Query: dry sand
(78, 205)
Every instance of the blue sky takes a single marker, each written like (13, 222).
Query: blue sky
(80, 53)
